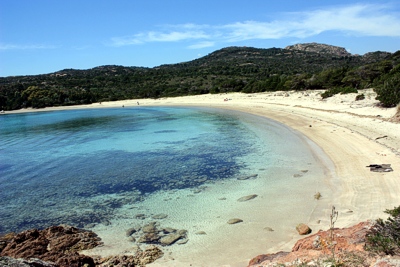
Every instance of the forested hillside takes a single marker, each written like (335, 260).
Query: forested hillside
(232, 69)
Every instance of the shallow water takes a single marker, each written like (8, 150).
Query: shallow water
(55, 165)
(99, 168)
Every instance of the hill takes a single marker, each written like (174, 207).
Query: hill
(244, 69)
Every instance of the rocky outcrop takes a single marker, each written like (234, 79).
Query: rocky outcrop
(8, 261)
(58, 244)
(141, 258)
(318, 247)
(320, 48)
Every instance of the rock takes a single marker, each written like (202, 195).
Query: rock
(150, 228)
(170, 239)
(168, 230)
(8, 261)
(200, 233)
(303, 229)
(58, 244)
(246, 198)
(132, 239)
(248, 177)
(182, 232)
(149, 238)
(130, 231)
(310, 249)
(141, 258)
(149, 255)
(159, 216)
(320, 48)
(182, 241)
(235, 221)
(140, 216)
(269, 229)
(297, 175)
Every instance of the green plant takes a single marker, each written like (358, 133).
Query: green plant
(389, 93)
(317, 196)
(384, 236)
(360, 97)
(338, 90)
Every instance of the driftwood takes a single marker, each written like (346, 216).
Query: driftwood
(380, 168)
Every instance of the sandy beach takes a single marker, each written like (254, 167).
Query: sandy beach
(353, 134)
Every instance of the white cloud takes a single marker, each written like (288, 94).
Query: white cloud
(201, 45)
(356, 20)
(152, 36)
(24, 47)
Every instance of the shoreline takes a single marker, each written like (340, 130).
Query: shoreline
(351, 133)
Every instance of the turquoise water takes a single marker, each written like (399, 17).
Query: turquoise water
(56, 167)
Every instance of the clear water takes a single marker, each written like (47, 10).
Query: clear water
(80, 167)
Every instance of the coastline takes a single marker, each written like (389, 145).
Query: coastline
(346, 131)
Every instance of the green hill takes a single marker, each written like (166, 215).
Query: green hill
(244, 69)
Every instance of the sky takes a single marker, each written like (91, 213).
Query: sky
(45, 36)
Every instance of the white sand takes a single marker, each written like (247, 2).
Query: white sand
(347, 132)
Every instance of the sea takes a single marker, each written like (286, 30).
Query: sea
(107, 169)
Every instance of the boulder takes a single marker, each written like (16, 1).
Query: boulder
(246, 198)
(303, 229)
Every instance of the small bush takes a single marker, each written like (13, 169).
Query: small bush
(389, 93)
(317, 196)
(338, 90)
(360, 97)
(384, 236)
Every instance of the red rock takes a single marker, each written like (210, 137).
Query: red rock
(303, 229)
(58, 244)
(319, 245)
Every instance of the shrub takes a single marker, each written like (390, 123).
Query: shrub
(389, 93)
(384, 236)
(337, 90)
(360, 97)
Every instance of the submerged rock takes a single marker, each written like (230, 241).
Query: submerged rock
(130, 231)
(159, 216)
(170, 239)
(150, 228)
(248, 177)
(235, 221)
(246, 198)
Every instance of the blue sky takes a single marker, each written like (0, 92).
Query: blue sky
(44, 36)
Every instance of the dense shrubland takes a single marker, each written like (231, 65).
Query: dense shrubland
(232, 69)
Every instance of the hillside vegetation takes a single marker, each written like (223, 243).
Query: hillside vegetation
(231, 69)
